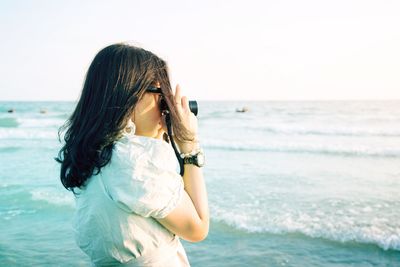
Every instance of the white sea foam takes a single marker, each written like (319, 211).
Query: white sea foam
(328, 130)
(27, 134)
(9, 214)
(342, 225)
(53, 196)
(39, 122)
(290, 146)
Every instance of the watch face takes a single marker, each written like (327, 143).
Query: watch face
(200, 159)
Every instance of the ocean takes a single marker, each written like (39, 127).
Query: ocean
(290, 183)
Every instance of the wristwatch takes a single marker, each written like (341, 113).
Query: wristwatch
(197, 158)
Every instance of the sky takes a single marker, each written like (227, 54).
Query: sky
(216, 50)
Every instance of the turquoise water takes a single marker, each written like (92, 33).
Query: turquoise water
(289, 184)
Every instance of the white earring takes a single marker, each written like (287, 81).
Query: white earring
(130, 127)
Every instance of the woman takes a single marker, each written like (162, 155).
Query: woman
(131, 203)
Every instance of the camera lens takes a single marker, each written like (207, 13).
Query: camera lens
(193, 107)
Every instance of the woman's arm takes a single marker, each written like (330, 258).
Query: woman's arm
(190, 219)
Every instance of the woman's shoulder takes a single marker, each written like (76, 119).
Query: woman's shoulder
(132, 149)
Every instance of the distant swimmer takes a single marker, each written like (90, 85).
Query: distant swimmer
(243, 109)
(43, 111)
(11, 110)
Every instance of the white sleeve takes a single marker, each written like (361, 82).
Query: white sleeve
(146, 189)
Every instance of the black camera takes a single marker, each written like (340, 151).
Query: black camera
(163, 105)
(192, 106)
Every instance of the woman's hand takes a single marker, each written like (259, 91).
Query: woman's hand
(188, 120)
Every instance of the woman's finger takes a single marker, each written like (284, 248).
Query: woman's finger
(185, 104)
(177, 96)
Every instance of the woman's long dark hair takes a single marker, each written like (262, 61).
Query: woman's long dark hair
(116, 79)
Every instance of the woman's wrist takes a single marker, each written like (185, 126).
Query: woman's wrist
(189, 147)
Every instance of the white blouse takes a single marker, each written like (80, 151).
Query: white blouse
(114, 218)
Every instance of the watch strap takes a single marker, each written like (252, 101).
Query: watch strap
(189, 160)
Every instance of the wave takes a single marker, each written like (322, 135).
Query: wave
(378, 231)
(8, 149)
(8, 122)
(53, 196)
(29, 128)
(10, 213)
(40, 122)
(28, 134)
(55, 120)
(310, 149)
(63, 116)
(327, 131)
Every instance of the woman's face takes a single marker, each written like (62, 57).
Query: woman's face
(147, 116)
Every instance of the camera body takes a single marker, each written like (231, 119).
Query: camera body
(192, 106)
